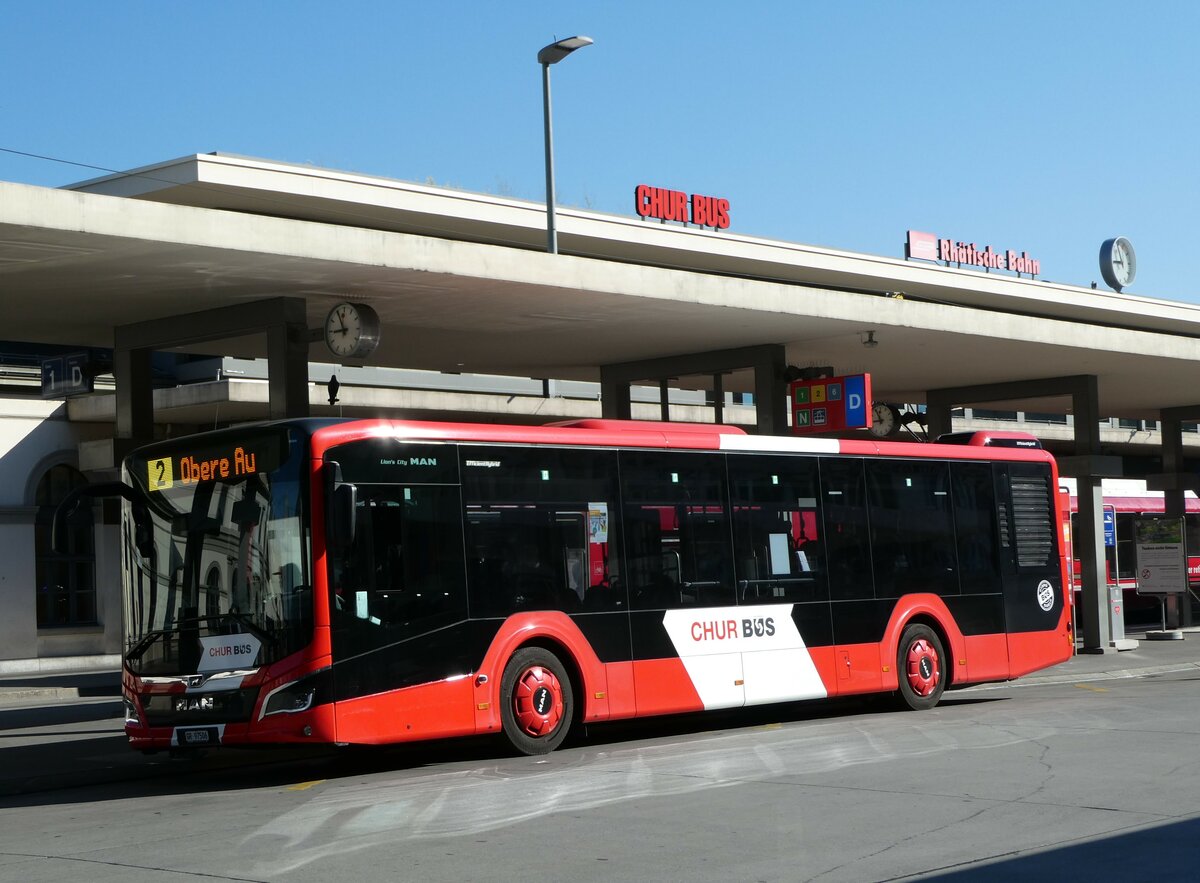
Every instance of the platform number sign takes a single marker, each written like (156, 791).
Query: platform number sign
(830, 403)
(64, 376)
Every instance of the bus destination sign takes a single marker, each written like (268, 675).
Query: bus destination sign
(214, 464)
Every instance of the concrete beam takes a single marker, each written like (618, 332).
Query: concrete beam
(217, 324)
(1093, 465)
(282, 319)
(1044, 387)
(1174, 481)
(768, 362)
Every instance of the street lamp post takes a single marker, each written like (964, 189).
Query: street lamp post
(553, 54)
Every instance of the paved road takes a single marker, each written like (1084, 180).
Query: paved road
(1089, 772)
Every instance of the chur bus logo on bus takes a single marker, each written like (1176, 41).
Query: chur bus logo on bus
(722, 630)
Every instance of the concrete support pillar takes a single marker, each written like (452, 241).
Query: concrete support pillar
(1102, 626)
(135, 395)
(770, 391)
(1174, 504)
(938, 420)
(1093, 616)
(287, 369)
(614, 395)
(1089, 528)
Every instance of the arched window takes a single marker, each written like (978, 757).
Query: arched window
(212, 590)
(66, 582)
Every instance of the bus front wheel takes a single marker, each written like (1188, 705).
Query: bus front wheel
(537, 701)
(921, 666)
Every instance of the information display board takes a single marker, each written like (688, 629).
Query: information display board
(1161, 555)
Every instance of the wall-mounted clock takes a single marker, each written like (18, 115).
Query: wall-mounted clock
(352, 331)
(885, 420)
(1118, 263)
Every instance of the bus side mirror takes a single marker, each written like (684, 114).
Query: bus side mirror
(343, 516)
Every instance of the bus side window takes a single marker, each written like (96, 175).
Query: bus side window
(538, 531)
(776, 531)
(677, 529)
(976, 527)
(403, 573)
(911, 527)
(847, 540)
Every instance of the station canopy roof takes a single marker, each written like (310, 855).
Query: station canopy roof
(462, 283)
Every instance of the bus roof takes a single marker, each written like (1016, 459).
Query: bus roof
(653, 434)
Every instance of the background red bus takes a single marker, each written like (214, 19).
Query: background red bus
(1124, 500)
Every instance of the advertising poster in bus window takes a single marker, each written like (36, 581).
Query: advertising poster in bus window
(598, 543)
(598, 522)
(1161, 560)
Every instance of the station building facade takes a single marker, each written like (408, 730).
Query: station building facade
(488, 328)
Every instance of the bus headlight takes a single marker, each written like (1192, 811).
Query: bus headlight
(290, 699)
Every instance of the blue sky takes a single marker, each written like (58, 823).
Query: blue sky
(1039, 126)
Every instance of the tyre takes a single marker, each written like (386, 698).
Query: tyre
(537, 703)
(921, 665)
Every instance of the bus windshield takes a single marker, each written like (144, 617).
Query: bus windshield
(216, 565)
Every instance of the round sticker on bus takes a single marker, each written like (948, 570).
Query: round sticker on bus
(1045, 595)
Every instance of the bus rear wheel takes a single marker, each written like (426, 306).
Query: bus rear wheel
(537, 703)
(921, 666)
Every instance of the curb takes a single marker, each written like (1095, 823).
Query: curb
(20, 716)
(35, 695)
(60, 665)
(1083, 677)
(22, 695)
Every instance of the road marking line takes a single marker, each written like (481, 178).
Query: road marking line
(304, 786)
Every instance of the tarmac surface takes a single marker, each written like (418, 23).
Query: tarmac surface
(67, 730)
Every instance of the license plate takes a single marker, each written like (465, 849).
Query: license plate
(195, 737)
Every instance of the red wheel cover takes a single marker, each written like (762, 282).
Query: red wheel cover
(923, 667)
(537, 701)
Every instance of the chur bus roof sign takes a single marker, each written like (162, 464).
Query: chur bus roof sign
(675, 205)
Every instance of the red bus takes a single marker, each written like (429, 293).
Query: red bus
(378, 581)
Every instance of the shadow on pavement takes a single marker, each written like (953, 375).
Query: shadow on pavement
(28, 716)
(1164, 852)
(46, 768)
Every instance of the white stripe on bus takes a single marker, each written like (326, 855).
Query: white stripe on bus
(781, 444)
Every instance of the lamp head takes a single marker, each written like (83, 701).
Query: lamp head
(556, 52)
